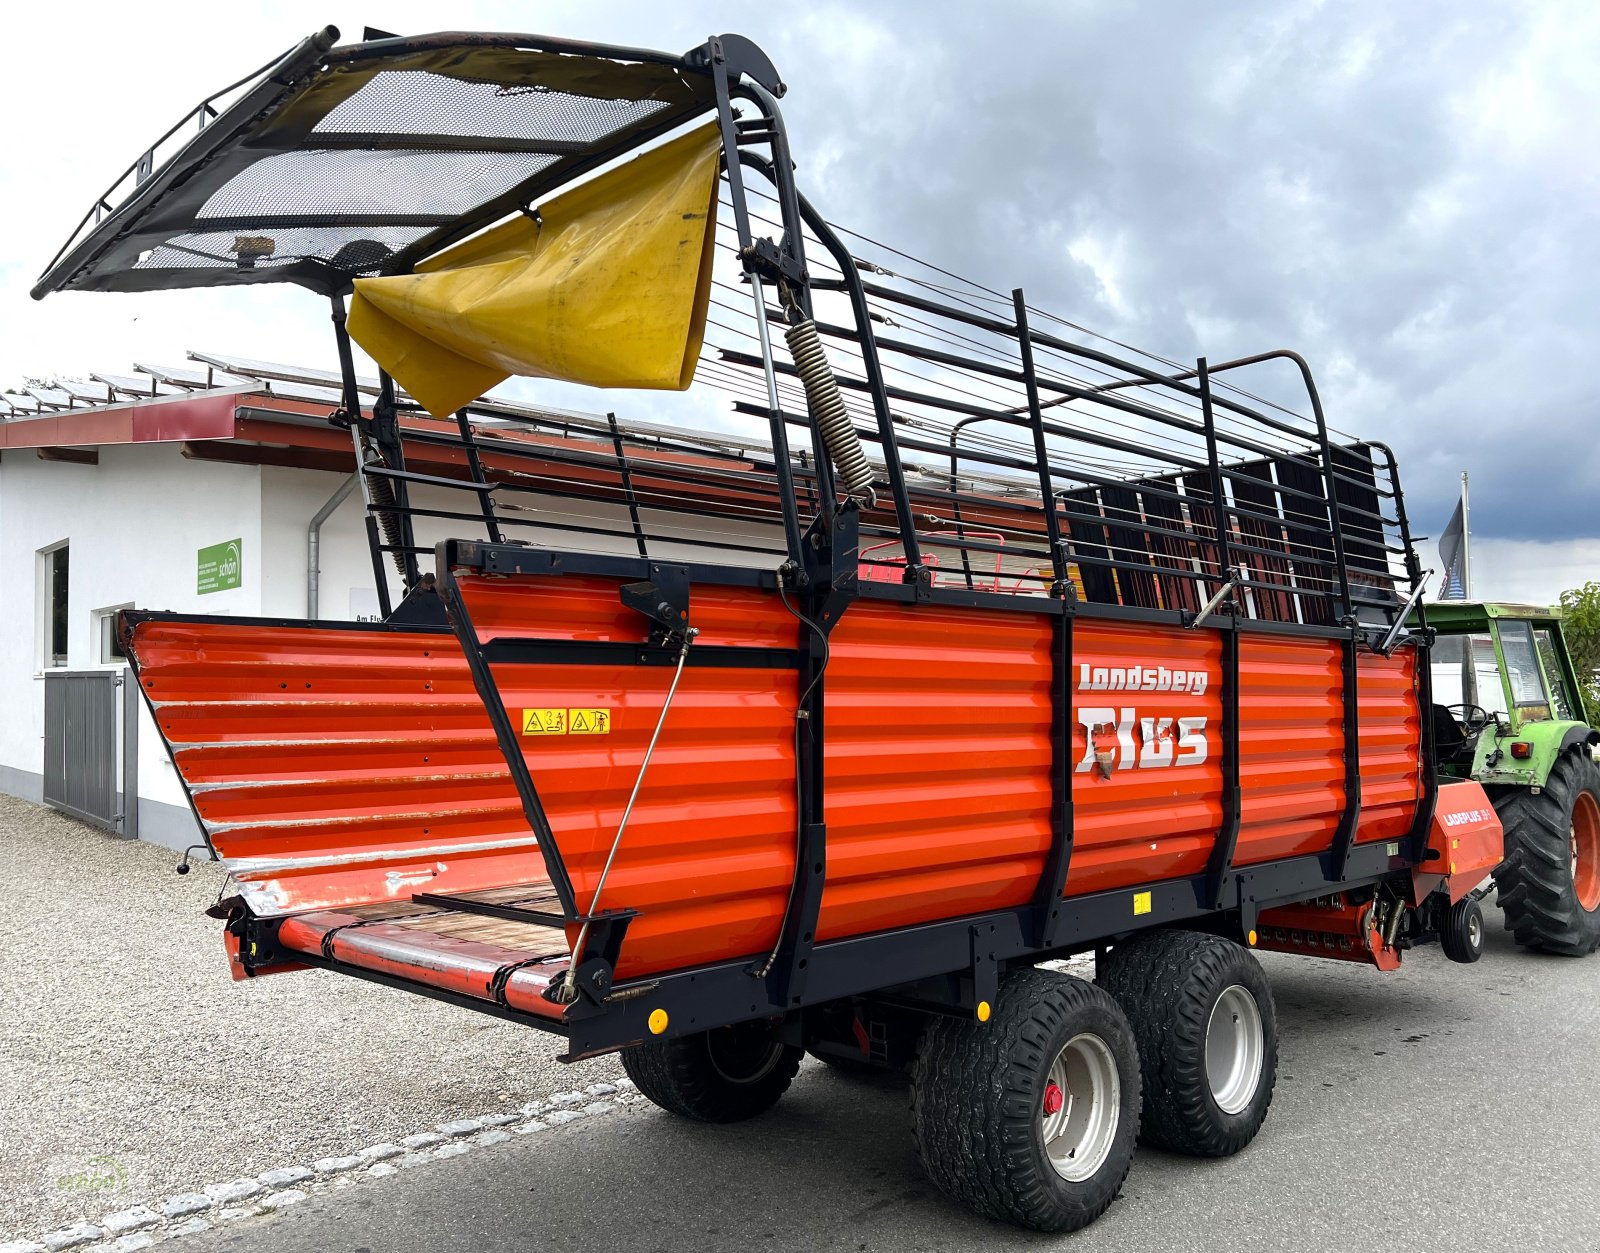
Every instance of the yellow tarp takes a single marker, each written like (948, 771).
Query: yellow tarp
(609, 288)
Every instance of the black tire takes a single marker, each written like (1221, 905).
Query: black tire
(1170, 984)
(978, 1093)
(1537, 892)
(1462, 937)
(725, 1075)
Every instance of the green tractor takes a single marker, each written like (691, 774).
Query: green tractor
(1507, 712)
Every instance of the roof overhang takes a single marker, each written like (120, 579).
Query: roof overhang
(159, 419)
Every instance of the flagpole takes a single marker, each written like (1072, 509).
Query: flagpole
(1466, 541)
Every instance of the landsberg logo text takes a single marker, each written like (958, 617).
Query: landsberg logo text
(1131, 739)
(1141, 679)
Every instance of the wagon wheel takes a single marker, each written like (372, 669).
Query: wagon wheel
(724, 1075)
(1030, 1117)
(1203, 1014)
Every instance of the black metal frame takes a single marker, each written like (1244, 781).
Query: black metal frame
(1182, 529)
(107, 242)
(872, 965)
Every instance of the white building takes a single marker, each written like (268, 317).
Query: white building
(198, 490)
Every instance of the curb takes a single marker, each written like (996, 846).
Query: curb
(185, 1213)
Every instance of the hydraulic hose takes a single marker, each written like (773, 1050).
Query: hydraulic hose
(828, 411)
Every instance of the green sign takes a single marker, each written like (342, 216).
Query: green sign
(221, 567)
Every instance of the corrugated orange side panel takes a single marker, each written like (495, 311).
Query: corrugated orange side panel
(1148, 803)
(1291, 709)
(335, 766)
(1391, 745)
(708, 854)
(937, 764)
(338, 767)
(1291, 746)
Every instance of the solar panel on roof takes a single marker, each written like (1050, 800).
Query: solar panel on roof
(250, 367)
(128, 384)
(183, 376)
(80, 390)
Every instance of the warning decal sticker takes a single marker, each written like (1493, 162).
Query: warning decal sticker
(544, 721)
(566, 722)
(588, 721)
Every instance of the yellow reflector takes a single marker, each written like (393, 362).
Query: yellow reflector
(984, 1011)
(658, 1021)
(1252, 937)
(607, 286)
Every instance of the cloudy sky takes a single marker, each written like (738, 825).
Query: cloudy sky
(1402, 192)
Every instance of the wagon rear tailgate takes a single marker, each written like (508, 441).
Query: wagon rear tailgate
(333, 765)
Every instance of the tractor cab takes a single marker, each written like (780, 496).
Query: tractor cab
(1505, 697)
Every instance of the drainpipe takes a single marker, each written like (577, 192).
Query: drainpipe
(314, 542)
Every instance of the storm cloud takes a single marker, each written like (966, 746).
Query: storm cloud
(1398, 191)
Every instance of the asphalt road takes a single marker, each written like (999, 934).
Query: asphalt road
(1442, 1107)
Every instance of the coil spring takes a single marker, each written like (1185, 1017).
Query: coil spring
(382, 492)
(828, 411)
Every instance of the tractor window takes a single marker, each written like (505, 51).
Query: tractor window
(1522, 665)
(1465, 672)
(1560, 699)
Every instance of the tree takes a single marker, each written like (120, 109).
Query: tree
(1580, 625)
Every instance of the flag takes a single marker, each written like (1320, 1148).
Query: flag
(1453, 553)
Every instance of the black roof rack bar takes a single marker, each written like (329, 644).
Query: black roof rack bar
(292, 63)
(383, 141)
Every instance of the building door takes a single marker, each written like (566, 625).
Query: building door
(80, 747)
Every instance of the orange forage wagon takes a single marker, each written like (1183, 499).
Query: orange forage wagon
(996, 646)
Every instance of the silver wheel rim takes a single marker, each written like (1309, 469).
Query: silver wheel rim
(760, 1073)
(1475, 931)
(735, 1062)
(1080, 1130)
(1235, 1047)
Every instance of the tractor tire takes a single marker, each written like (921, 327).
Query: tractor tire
(725, 1075)
(1462, 936)
(1031, 1117)
(1203, 1016)
(1549, 889)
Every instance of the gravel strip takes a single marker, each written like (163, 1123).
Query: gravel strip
(136, 1072)
(190, 1213)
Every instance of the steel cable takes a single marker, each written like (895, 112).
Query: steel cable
(567, 991)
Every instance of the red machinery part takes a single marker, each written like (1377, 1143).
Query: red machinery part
(1327, 927)
(1465, 842)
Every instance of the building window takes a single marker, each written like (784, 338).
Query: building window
(108, 648)
(53, 583)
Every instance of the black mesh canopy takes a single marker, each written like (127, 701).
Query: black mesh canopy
(335, 162)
